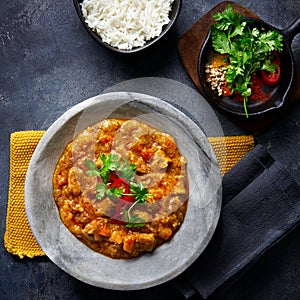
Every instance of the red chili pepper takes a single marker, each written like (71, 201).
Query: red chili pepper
(272, 78)
(120, 183)
(112, 178)
(117, 183)
(118, 215)
(227, 92)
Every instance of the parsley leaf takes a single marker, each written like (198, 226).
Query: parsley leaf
(128, 170)
(109, 163)
(101, 189)
(139, 191)
(220, 42)
(114, 192)
(227, 19)
(93, 170)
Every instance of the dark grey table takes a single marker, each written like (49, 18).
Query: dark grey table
(49, 63)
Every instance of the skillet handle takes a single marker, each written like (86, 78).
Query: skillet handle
(291, 31)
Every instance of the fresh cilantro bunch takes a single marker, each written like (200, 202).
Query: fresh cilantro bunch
(249, 49)
(114, 163)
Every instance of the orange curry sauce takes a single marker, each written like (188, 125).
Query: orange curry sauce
(159, 166)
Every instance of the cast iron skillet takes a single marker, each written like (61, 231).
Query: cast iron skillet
(279, 94)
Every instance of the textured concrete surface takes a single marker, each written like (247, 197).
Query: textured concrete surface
(49, 63)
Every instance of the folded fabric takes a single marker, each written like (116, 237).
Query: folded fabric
(261, 203)
(19, 239)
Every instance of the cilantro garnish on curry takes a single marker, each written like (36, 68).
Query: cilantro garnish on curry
(117, 182)
(245, 56)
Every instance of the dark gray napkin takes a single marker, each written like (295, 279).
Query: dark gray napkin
(261, 203)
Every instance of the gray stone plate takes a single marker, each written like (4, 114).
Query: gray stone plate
(170, 259)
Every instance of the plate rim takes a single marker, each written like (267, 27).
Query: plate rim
(49, 134)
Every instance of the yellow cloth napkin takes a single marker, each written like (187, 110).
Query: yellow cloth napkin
(19, 239)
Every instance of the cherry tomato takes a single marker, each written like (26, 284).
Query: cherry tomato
(272, 78)
(227, 92)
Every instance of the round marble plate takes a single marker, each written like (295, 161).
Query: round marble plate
(170, 259)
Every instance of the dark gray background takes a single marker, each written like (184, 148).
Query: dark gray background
(49, 63)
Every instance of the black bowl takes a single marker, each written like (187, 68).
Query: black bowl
(176, 7)
(279, 93)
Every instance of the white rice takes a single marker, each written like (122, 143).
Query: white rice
(126, 24)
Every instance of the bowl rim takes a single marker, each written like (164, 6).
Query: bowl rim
(177, 4)
(62, 258)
